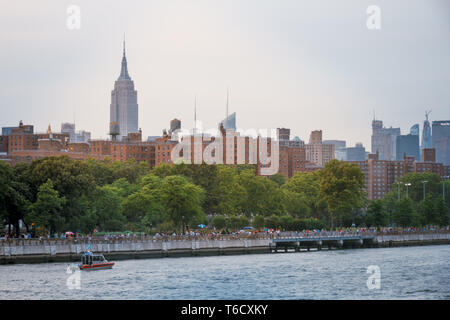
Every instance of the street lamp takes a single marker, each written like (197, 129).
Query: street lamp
(407, 185)
(423, 182)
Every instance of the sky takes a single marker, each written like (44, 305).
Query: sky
(303, 65)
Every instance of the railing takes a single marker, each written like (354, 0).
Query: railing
(208, 237)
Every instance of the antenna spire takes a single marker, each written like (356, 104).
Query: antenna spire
(124, 70)
(124, 44)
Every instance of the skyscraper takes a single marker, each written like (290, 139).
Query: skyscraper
(414, 130)
(384, 140)
(340, 150)
(441, 141)
(426, 133)
(229, 122)
(124, 107)
(408, 145)
(356, 153)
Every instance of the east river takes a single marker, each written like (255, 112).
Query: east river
(400, 273)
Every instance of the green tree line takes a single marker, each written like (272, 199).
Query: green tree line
(57, 194)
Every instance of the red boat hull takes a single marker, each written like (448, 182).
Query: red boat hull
(97, 266)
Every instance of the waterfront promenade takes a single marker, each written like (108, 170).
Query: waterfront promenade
(67, 250)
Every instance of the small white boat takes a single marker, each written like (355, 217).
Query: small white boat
(91, 261)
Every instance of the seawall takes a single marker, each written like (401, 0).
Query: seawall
(69, 250)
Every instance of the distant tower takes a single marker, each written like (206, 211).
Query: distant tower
(414, 130)
(230, 120)
(194, 131)
(426, 132)
(124, 107)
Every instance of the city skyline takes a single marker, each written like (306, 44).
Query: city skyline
(201, 49)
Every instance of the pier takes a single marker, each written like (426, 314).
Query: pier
(69, 250)
(318, 242)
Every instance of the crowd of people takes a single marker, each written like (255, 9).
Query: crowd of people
(225, 233)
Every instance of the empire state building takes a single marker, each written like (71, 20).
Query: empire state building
(124, 107)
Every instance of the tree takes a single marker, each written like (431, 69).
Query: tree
(272, 222)
(230, 194)
(106, 206)
(376, 216)
(101, 171)
(442, 212)
(182, 200)
(415, 190)
(219, 222)
(131, 170)
(287, 222)
(258, 222)
(13, 201)
(306, 186)
(428, 214)
(46, 211)
(234, 222)
(144, 206)
(278, 178)
(404, 214)
(341, 187)
(295, 204)
(244, 221)
(254, 186)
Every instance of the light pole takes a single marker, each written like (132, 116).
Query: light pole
(423, 182)
(407, 185)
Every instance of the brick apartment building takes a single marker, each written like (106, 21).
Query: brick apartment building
(380, 175)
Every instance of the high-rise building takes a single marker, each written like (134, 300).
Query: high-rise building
(426, 133)
(229, 122)
(414, 130)
(75, 137)
(384, 140)
(124, 107)
(380, 175)
(315, 137)
(284, 134)
(70, 129)
(356, 153)
(408, 145)
(340, 151)
(428, 155)
(317, 152)
(441, 141)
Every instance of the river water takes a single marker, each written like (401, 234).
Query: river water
(404, 273)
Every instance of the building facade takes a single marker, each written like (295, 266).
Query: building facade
(441, 141)
(124, 107)
(408, 145)
(384, 140)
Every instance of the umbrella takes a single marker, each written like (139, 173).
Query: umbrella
(69, 232)
(248, 228)
(201, 226)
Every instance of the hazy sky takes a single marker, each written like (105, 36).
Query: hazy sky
(288, 63)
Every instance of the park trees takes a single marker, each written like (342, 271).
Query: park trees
(341, 187)
(46, 211)
(404, 213)
(182, 200)
(376, 215)
(230, 195)
(13, 200)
